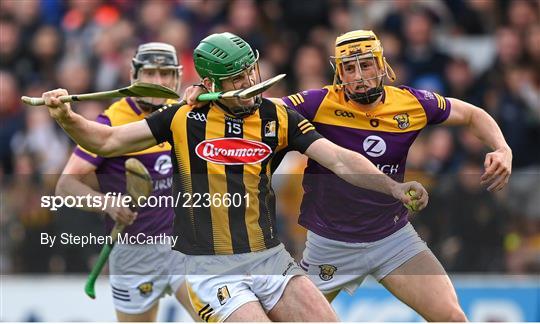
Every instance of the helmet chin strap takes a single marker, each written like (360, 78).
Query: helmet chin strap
(242, 111)
(146, 106)
(369, 97)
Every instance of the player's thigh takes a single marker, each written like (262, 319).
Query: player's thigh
(216, 297)
(148, 316)
(137, 278)
(249, 312)
(302, 301)
(422, 283)
(334, 265)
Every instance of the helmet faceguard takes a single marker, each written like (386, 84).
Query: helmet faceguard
(159, 56)
(234, 106)
(355, 48)
(227, 57)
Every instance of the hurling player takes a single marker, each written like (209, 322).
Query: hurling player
(354, 232)
(140, 274)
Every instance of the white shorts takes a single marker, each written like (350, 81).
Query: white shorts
(141, 274)
(334, 265)
(230, 281)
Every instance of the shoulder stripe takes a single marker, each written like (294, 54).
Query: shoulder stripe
(298, 98)
(441, 102)
(293, 100)
(305, 125)
(303, 122)
(310, 128)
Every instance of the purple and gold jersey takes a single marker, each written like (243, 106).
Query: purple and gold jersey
(336, 209)
(111, 172)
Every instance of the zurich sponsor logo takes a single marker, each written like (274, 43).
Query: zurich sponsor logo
(388, 168)
(163, 164)
(374, 146)
(197, 116)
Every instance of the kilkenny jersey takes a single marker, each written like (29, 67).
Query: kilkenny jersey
(223, 169)
(111, 172)
(332, 207)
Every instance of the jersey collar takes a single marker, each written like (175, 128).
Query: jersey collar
(133, 105)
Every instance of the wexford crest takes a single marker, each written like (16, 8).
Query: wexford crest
(402, 120)
(146, 288)
(327, 271)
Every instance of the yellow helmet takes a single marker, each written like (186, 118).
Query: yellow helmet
(363, 43)
(359, 44)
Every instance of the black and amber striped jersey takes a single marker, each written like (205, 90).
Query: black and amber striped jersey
(224, 200)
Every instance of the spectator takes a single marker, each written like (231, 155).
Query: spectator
(12, 119)
(424, 62)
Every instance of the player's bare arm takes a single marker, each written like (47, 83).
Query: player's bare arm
(359, 171)
(497, 164)
(72, 182)
(100, 139)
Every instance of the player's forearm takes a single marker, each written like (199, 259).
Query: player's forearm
(90, 135)
(487, 130)
(359, 171)
(479, 122)
(72, 185)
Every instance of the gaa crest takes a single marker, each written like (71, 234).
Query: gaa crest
(402, 120)
(327, 271)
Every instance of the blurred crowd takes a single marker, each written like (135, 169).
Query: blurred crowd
(485, 52)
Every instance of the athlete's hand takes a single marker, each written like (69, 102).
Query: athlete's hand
(58, 110)
(420, 195)
(191, 93)
(498, 167)
(122, 215)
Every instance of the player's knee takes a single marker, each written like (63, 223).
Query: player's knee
(330, 315)
(310, 303)
(318, 306)
(321, 311)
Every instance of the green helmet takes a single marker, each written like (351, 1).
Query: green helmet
(223, 55)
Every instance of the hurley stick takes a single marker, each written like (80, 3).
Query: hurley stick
(138, 184)
(138, 89)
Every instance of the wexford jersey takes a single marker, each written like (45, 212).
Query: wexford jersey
(111, 172)
(223, 171)
(337, 210)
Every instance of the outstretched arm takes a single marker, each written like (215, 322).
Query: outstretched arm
(72, 182)
(100, 139)
(498, 164)
(359, 171)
